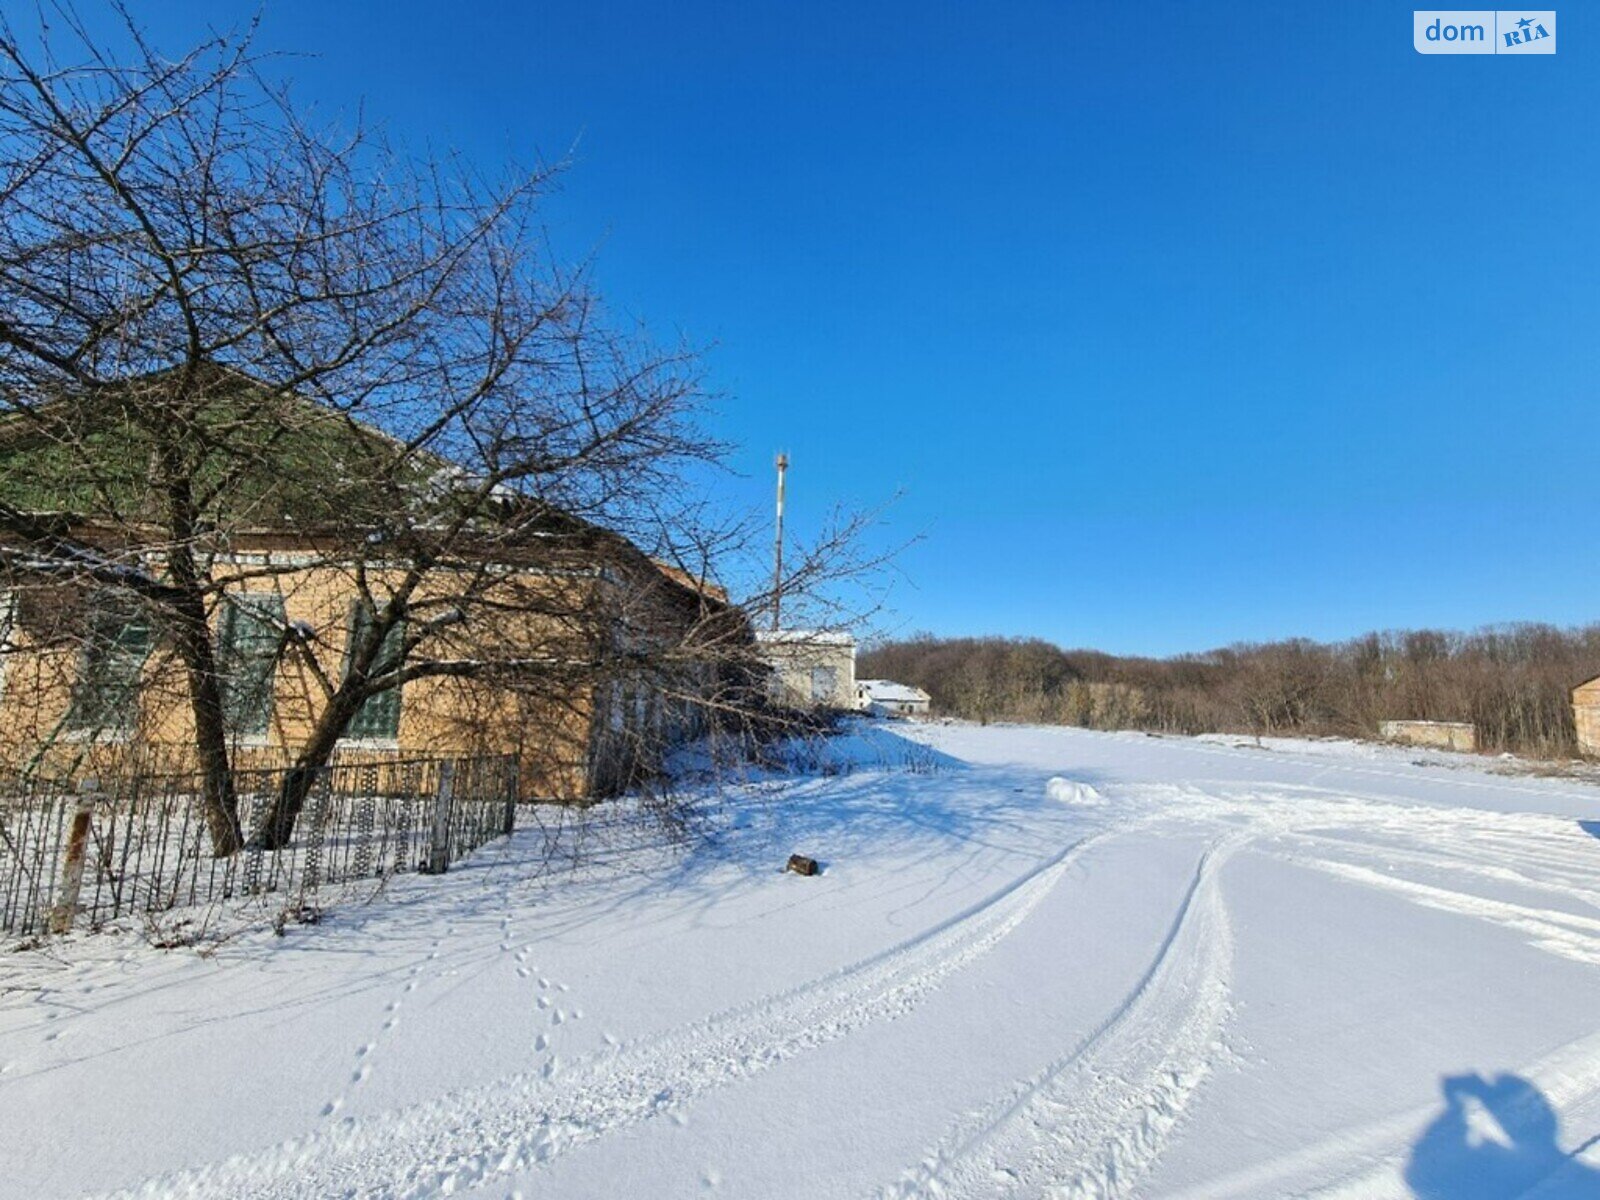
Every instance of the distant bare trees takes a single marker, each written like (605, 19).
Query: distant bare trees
(1512, 682)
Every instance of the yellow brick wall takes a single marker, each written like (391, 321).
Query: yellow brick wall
(1586, 715)
(439, 716)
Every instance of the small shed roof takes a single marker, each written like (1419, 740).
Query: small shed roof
(1588, 688)
(887, 690)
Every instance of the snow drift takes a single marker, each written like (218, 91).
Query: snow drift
(1070, 791)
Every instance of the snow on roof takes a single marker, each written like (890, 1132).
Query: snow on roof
(815, 637)
(889, 690)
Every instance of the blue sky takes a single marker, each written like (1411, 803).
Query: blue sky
(1171, 325)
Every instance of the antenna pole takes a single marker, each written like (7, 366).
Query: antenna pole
(782, 463)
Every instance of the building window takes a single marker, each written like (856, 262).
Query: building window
(252, 632)
(379, 715)
(105, 696)
(824, 681)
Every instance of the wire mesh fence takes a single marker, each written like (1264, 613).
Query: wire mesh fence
(82, 854)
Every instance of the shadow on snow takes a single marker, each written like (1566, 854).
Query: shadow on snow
(1497, 1139)
(868, 802)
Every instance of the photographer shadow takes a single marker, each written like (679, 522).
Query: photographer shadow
(1496, 1139)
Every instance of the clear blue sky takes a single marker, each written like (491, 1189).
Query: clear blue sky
(1176, 324)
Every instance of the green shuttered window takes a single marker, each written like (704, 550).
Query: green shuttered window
(106, 694)
(379, 716)
(252, 632)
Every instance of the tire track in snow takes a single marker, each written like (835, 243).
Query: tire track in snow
(1552, 930)
(1534, 841)
(1387, 854)
(1409, 772)
(466, 1138)
(1095, 1120)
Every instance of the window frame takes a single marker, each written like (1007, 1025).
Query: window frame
(363, 728)
(235, 605)
(108, 718)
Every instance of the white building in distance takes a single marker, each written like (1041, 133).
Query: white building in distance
(886, 698)
(811, 668)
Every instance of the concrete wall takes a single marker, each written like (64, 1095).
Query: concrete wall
(1441, 735)
(1586, 715)
(802, 664)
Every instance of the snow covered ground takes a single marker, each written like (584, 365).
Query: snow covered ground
(1038, 962)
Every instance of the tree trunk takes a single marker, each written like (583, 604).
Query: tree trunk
(221, 802)
(277, 826)
(192, 635)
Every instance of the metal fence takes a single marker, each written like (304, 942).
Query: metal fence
(81, 855)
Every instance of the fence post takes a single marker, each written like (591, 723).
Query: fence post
(439, 846)
(66, 907)
(319, 800)
(513, 789)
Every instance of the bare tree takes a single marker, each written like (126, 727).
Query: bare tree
(219, 321)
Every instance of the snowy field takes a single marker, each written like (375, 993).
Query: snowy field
(1038, 962)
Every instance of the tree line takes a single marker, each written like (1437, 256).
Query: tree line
(1512, 682)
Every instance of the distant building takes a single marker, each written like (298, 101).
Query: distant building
(886, 698)
(1440, 735)
(811, 668)
(1586, 716)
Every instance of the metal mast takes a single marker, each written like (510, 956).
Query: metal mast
(782, 463)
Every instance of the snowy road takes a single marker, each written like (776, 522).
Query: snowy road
(1040, 962)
